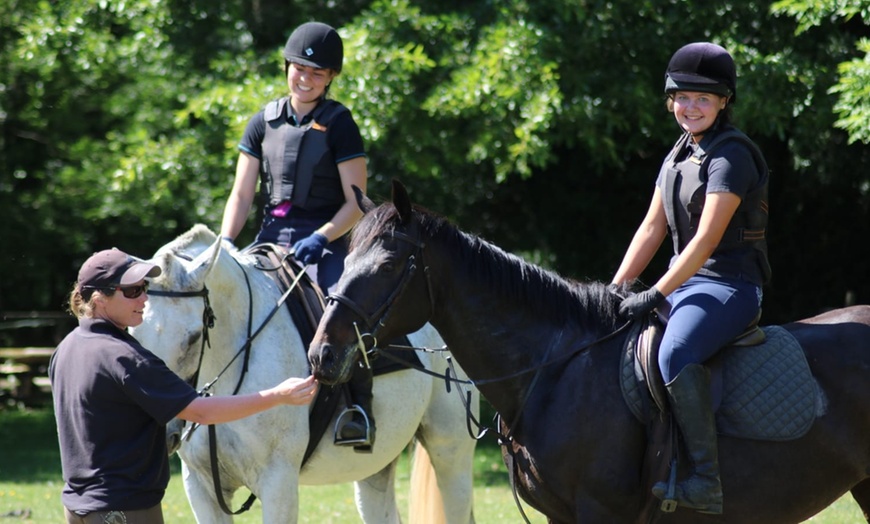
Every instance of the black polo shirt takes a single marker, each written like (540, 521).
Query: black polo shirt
(112, 401)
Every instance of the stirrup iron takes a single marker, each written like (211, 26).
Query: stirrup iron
(346, 416)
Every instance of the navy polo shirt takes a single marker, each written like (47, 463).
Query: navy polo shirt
(112, 401)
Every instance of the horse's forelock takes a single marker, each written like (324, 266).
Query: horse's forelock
(377, 221)
(174, 274)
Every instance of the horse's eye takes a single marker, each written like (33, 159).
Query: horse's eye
(387, 267)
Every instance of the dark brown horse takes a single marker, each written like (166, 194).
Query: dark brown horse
(532, 343)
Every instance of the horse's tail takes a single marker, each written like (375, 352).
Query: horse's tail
(426, 504)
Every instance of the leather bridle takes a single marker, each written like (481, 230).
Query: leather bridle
(208, 321)
(208, 318)
(373, 323)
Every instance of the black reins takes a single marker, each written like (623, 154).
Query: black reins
(374, 322)
(208, 322)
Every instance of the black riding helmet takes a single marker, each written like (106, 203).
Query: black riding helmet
(314, 44)
(702, 67)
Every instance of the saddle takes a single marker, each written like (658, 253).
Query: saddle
(761, 383)
(305, 304)
(761, 386)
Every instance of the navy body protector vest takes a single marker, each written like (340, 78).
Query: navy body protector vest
(298, 165)
(684, 192)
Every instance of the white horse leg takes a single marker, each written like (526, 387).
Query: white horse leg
(376, 497)
(279, 494)
(444, 434)
(202, 502)
(453, 462)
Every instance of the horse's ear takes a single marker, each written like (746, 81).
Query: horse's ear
(206, 261)
(362, 201)
(401, 201)
(216, 251)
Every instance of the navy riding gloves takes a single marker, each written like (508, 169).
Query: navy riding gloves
(309, 250)
(641, 303)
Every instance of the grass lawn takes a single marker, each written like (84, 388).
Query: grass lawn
(30, 484)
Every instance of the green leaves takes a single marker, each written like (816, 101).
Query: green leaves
(507, 92)
(814, 13)
(853, 88)
(120, 119)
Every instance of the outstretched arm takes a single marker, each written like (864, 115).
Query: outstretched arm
(217, 410)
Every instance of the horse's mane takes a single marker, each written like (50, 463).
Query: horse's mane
(546, 293)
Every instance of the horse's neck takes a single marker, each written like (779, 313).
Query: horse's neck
(492, 337)
(275, 351)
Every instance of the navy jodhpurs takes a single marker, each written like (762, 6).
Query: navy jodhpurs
(706, 313)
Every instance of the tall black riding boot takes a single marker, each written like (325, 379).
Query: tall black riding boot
(691, 404)
(356, 426)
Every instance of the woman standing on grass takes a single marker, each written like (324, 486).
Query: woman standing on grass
(113, 399)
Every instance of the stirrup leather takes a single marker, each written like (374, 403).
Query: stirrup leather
(346, 416)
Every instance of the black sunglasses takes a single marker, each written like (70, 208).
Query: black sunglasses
(134, 291)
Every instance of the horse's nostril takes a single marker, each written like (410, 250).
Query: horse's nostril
(324, 360)
(327, 355)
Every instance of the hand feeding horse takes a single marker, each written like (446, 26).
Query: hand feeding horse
(546, 353)
(265, 452)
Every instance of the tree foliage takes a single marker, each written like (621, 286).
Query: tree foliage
(537, 124)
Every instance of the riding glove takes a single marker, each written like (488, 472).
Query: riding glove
(641, 303)
(310, 249)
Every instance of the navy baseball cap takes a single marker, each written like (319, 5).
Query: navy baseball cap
(112, 268)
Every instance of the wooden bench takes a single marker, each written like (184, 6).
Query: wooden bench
(24, 370)
(27, 355)
(24, 366)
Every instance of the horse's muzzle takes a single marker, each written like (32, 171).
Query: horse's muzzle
(327, 367)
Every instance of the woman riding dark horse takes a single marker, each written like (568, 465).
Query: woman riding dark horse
(711, 196)
(546, 353)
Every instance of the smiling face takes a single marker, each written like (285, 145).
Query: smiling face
(696, 112)
(122, 311)
(307, 84)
